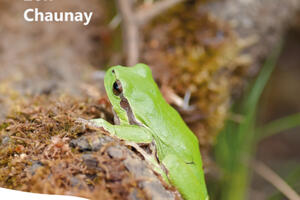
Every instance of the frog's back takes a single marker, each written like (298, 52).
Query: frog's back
(171, 128)
(174, 136)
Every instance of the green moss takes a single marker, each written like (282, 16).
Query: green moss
(37, 156)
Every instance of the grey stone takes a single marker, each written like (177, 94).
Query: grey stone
(115, 152)
(150, 184)
(35, 165)
(90, 161)
(5, 140)
(81, 143)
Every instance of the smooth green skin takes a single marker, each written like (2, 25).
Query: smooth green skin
(177, 148)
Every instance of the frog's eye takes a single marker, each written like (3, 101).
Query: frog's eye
(117, 88)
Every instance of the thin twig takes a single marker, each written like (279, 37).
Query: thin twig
(145, 15)
(133, 20)
(130, 31)
(269, 175)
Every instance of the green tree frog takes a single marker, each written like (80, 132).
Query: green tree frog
(143, 116)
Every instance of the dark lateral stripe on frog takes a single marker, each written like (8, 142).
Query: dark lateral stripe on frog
(125, 105)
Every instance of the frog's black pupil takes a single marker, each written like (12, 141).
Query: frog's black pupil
(116, 86)
(117, 89)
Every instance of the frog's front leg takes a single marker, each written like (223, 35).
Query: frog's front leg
(131, 133)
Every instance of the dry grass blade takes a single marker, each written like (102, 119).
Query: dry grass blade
(269, 175)
(132, 21)
(130, 31)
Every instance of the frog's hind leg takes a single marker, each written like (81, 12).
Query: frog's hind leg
(131, 134)
(182, 177)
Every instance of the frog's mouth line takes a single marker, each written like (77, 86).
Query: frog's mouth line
(116, 118)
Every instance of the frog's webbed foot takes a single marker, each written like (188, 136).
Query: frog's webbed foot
(91, 123)
(82, 121)
(98, 123)
(126, 132)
